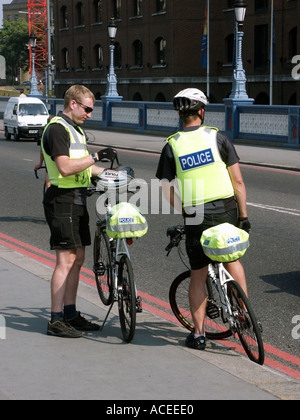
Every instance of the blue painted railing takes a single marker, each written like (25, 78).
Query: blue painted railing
(259, 124)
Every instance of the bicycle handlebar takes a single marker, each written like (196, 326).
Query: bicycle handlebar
(176, 233)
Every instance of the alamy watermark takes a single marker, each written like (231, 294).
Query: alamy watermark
(296, 69)
(296, 329)
(2, 328)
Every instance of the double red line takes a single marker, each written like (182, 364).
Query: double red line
(275, 358)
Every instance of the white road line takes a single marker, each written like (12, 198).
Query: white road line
(294, 212)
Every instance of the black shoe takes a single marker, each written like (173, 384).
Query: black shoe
(195, 343)
(82, 324)
(61, 328)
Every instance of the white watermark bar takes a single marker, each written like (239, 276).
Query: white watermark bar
(2, 328)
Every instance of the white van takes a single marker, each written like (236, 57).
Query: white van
(25, 117)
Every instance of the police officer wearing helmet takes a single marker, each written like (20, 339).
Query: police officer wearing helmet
(205, 166)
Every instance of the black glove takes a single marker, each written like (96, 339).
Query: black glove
(243, 223)
(107, 154)
(128, 170)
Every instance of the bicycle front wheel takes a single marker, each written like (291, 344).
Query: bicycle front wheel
(215, 329)
(248, 329)
(102, 265)
(126, 298)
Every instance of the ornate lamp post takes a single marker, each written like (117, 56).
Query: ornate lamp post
(239, 75)
(111, 88)
(33, 79)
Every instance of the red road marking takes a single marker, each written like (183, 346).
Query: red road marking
(161, 311)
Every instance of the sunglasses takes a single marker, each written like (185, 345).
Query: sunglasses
(87, 109)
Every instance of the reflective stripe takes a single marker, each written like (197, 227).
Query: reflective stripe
(131, 227)
(228, 250)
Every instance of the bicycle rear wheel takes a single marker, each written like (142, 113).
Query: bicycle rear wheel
(126, 298)
(215, 329)
(102, 265)
(248, 329)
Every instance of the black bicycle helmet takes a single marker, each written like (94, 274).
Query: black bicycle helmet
(190, 100)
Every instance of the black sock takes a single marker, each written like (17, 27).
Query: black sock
(70, 312)
(55, 316)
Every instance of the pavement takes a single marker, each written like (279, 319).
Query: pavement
(154, 367)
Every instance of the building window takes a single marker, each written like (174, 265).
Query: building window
(118, 56)
(98, 10)
(138, 7)
(261, 48)
(98, 57)
(230, 49)
(116, 8)
(293, 47)
(81, 58)
(261, 5)
(138, 53)
(161, 6)
(79, 14)
(64, 17)
(65, 59)
(161, 46)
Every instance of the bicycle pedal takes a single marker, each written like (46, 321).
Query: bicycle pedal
(99, 269)
(139, 308)
(212, 310)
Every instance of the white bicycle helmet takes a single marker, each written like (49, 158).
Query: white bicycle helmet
(190, 99)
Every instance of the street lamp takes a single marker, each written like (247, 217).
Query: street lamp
(239, 75)
(111, 88)
(33, 79)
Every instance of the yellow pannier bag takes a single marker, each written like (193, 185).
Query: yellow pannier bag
(126, 221)
(225, 242)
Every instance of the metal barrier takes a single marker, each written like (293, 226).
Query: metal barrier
(256, 124)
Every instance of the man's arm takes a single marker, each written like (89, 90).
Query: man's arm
(171, 196)
(239, 188)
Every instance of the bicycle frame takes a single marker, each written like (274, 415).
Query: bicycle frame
(220, 284)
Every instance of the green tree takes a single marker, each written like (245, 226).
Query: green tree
(14, 45)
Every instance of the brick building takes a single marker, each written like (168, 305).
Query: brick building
(158, 48)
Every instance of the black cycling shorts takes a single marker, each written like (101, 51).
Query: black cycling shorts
(69, 225)
(194, 249)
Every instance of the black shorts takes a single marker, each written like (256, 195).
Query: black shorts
(194, 249)
(69, 225)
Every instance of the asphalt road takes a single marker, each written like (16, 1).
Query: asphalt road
(271, 264)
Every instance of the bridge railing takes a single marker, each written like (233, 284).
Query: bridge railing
(259, 124)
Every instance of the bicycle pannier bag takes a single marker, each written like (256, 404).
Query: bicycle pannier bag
(126, 221)
(225, 242)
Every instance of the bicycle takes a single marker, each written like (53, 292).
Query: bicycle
(113, 270)
(225, 313)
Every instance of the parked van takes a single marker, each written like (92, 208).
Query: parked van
(25, 117)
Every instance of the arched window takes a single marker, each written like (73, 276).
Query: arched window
(79, 14)
(137, 97)
(138, 53)
(161, 6)
(293, 47)
(160, 97)
(118, 56)
(230, 49)
(64, 17)
(98, 57)
(116, 8)
(65, 59)
(161, 45)
(98, 10)
(81, 58)
(138, 7)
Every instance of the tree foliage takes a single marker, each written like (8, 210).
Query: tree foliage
(14, 43)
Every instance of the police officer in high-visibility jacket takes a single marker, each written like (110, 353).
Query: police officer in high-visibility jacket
(70, 167)
(202, 165)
